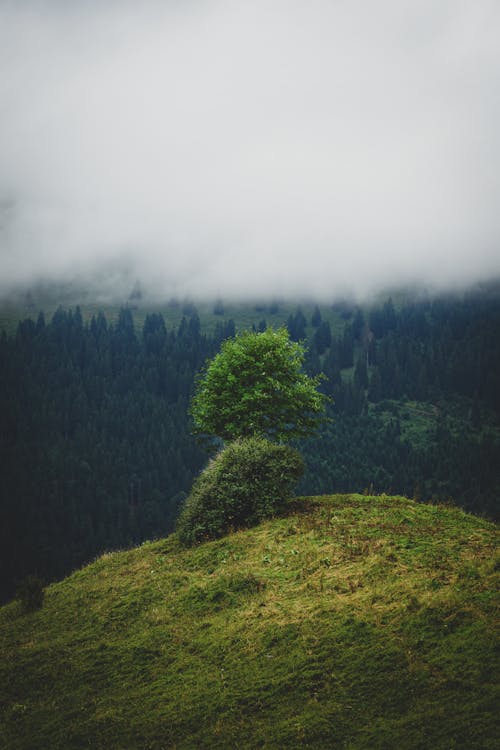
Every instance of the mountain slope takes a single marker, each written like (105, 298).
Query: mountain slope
(354, 622)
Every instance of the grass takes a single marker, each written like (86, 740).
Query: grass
(418, 420)
(354, 622)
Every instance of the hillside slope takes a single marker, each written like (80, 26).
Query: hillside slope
(354, 622)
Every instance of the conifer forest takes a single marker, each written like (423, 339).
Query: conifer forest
(96, 445)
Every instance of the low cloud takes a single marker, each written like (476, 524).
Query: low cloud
(240, 148)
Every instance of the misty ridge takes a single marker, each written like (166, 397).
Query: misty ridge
(249, 150)
(115, 286)
(304, 198)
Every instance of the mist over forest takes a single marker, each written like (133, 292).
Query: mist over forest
(97, 448)
(173, 173)
(250, 150)
(264, 233)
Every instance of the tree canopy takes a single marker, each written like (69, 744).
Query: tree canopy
(255, 386)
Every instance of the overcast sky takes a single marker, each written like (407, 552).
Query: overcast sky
(274, 147)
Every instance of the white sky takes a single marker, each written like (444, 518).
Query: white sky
(243, 148)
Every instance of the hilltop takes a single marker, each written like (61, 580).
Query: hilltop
(353, 622)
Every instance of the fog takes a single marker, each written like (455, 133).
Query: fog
(250, 148)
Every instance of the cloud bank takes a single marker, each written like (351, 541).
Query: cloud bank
(241, 148)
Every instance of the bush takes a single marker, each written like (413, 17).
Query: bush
(248, 481)
(30, 593)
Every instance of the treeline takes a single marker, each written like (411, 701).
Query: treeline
(96, 448)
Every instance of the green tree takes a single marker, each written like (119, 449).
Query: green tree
(316, 317)
(322, 337)
(255, 386)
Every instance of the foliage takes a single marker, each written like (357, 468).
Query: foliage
(366, 623)
(30, 593)
(256, 386)
(248, 481)
(94, 430)
(94, 426)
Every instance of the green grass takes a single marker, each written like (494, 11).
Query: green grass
(354, 622)
(418, 420)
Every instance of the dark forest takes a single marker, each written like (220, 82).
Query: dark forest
(96, 450)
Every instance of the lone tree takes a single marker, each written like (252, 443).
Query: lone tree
(256, 386)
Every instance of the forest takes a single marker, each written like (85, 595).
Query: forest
(96, 446)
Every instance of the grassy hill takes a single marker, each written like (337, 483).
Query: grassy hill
(354, 622)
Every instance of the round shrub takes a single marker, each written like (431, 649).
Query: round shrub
(30, 593)
(248, 481)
